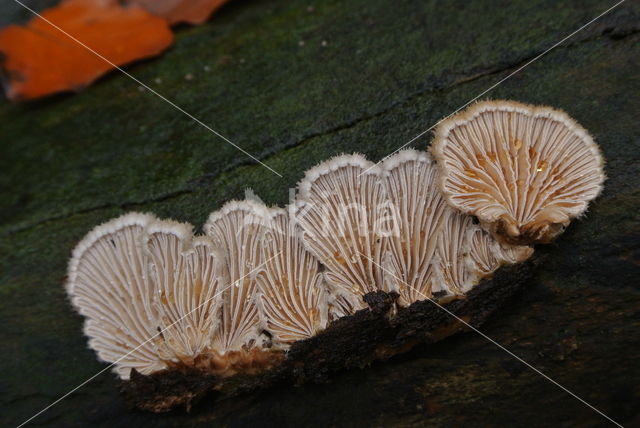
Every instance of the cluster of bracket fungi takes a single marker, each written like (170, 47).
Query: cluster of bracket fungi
(155, 297)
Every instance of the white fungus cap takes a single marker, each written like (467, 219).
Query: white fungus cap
(341, 305)
(524, 171)
(339, 210)
(146, 290)
(466, 254)
(153, 295)
(489, 254)
(238, 230)
(389, 228)
(292, 298)
(456, 274)
(417, 206)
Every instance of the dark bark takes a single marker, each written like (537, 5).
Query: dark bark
(377, 333)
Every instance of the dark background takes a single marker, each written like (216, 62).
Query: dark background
(389, 70)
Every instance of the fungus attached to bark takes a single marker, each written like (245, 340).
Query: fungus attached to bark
(417, 213)
(456, 274)
(466, 254)
(292, 297)
(489, 254)
(155, 297)
(340, 306)
(257, 290)
(238, 229)
(340, 210)
(390, 229)
(524, 171)
(146, 289)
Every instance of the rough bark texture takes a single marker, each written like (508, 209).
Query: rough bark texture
(376, 333)
(388, 71)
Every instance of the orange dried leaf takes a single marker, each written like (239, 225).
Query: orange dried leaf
(39, 60)
(181, 11)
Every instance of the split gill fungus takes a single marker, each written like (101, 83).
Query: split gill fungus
(348, 273)
(524, 171)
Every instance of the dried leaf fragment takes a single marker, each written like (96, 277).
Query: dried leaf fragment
(39, 59)
(192, 12)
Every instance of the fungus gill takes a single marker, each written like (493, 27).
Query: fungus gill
(234, 300)
(466, 254)
(339, 210)
(524, 171)
(394, 232)
(409, 178)
(145, 287)
(292, 297)
(238, 229)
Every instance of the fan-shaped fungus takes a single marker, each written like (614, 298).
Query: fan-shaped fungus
(489, 254)
(292, 297)
(238, 229)
(466, 254)
(524, 171)
(390, 229)
(340, 210)
(156, 298)
(417, 207)
(146, 289)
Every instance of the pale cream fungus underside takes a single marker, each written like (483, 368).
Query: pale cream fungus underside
(524, 171)
(157, 297)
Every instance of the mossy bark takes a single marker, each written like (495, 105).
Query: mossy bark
(387, 72)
